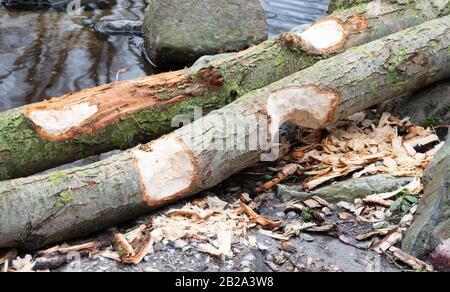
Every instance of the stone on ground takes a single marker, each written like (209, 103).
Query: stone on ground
(432, 223)
(178, 32)
(347, 190)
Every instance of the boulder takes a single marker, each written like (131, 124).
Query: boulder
(432, 223)
(178, 32)
(347, 190)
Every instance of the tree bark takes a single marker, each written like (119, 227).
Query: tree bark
(336, 5)
(121, 115)
(42, 209)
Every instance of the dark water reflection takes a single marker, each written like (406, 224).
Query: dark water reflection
(48, 53)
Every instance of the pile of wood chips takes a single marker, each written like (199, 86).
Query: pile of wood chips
(214, 223)
(360, 147)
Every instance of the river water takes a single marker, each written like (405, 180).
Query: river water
(47, 53)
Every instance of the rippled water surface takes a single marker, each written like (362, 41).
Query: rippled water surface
(46, 53)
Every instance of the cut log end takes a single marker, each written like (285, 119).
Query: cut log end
(325, 35)
(54, 123)
(305, 106)
(167, 169)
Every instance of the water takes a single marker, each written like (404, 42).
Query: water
(47, 53)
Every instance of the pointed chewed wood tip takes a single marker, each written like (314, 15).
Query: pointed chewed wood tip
(325, 35)
(306, 106)
(167, 169)
(53, 123)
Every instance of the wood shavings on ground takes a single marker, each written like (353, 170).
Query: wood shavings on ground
(212, 222)
(376, 222)
(49, 259)
(25, 264)
(391, 147)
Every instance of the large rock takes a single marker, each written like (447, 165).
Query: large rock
(432, 223)
(347, 190)
(178, 32)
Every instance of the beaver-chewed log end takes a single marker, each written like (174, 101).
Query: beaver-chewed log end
(167, 169)
(306, 106)
(325, 35)
(54, 123)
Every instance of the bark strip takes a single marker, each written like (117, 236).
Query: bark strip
(121, 115)
(42, 209)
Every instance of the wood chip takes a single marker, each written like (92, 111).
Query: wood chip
(85, 246)
(224, 236)
(6, 266)
(188, 213)
(322, 228)
(143, 251)
(378, 232)
(411, 261)
(321, 201)
(261, 220)
(273, 235)
(312, 204)
(285, 172)
(135, 234)
(391, 239)
(245, 198)
(124, 244)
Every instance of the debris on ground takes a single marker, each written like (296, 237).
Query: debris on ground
(393, 146)
(212, 226)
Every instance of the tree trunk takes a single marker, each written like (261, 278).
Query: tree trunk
(337, 5)
(43, 209)
(121, 115)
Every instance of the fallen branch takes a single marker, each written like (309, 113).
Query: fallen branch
(285, 172)
(266, 223)
(411, 261)
(52, 207)
(120, 115)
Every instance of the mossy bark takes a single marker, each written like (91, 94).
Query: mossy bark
(336, 5)
(42, 209)
(137, 111)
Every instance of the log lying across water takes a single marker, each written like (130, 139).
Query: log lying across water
(121, 115)
(42, 209)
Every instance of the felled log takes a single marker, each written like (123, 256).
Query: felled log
(121, 115)
(336, 5)
(41, 209)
